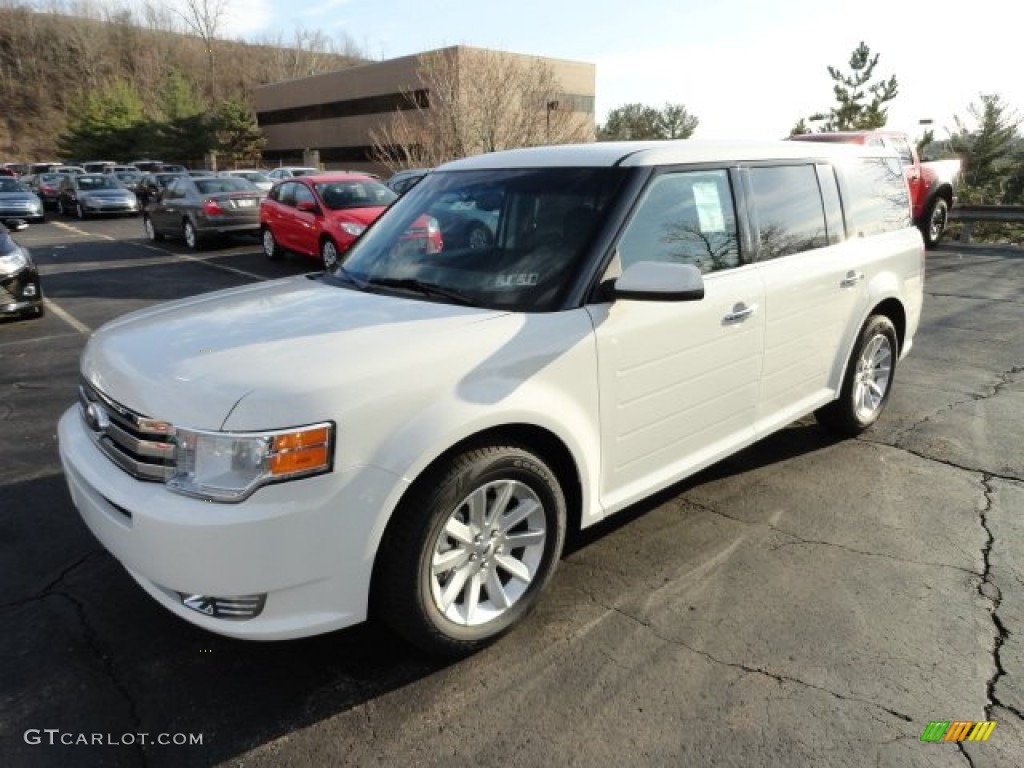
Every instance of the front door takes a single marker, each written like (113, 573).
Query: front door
(678, 379)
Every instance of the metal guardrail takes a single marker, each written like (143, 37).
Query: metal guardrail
(969, 214)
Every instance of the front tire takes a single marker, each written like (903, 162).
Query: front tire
(867, 383)
(328, 254)
(270, 247)
(469, 550)
(935, 222)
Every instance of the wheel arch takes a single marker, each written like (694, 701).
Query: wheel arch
(542, 442)
(893, 309)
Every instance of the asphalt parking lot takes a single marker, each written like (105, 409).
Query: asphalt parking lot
(807, 602)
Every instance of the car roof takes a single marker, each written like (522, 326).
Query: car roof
(650, 153)
(334, 176)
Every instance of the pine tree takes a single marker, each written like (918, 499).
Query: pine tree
(860, 104)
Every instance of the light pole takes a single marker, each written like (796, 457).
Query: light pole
(551, 107)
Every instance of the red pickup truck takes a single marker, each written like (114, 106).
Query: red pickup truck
(931, 183)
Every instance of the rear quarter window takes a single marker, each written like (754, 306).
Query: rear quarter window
(875, 196)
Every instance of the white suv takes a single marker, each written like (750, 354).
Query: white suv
(412, 433)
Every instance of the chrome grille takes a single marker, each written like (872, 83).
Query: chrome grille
(142, 447)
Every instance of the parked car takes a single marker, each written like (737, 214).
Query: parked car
(17, 200)
(69, 169)
(46, 186)
(131, 178)
(200, 209)
(931, 183)
(99, 166)
(201, 172)
(44, 167)
(21, 293)
(151, 186)
(469, 217)
(320, 215)
(402, 181)
(288, 171)
(410, 434)
(93, 194)
(19, 169)
(258, 178)
(147, 166)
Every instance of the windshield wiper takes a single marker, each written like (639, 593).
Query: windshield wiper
(423, 288)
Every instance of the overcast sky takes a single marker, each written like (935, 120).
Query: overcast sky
(746, 68)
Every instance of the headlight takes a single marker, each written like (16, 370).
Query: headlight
(225, 466)
(12, 262)
(353, 229)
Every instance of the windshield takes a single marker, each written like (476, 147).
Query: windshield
(253, 176)
(98, 182)
(364, 193)
(10, 184)
(505, 239)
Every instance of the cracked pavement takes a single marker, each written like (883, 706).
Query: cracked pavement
(806, 602)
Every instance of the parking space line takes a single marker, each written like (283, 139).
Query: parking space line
(66, 316)
(38, 339)
(206, 262)
(81, 232)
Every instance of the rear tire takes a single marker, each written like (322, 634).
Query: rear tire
(934, 224)
(867, 383)
(151, 232)
(469, 550)
(192, 239)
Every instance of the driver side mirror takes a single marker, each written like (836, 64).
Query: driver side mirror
(659, 281)
(307, 206)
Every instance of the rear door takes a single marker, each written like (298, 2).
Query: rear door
(814, 285)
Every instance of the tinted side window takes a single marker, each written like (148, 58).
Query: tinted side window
(875, 196)
(287, 193)
(788, 208)
(686, 217)
(303, 194)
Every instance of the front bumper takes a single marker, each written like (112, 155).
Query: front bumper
(307, 545)
(96, 205)
(20, 292)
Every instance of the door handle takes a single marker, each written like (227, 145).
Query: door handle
(740, 312)
(851, 279)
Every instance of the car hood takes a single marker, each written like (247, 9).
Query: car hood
(104, 193)
(285, 343)
(17, 196)
(365, 216)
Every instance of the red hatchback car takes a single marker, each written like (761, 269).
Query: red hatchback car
(322, 214)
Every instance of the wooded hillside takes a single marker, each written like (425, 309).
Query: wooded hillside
(55, 61)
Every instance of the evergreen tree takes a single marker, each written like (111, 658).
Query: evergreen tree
(105, 123)
(238, 134)
(987, 150)
(860, 103)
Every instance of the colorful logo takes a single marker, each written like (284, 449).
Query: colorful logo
(958, 730)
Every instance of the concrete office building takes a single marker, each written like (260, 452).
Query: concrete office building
(327, 118)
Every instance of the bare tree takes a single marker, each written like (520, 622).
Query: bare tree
(470, 101)
(204, 17)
